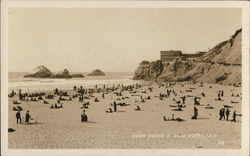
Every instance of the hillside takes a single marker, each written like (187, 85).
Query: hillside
(221, 64)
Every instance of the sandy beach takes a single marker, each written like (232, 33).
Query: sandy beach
(127, 128)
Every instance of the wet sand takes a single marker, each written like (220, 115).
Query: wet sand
(127, 128)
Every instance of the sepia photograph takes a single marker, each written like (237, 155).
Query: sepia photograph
(91, 77)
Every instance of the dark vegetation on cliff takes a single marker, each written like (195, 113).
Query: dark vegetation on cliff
(221, 64)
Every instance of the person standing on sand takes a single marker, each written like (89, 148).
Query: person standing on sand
(227, 113)
(234, 116)
(195, 113)
(221, 113)
(115, 107)
(27, 117)
(18, 117)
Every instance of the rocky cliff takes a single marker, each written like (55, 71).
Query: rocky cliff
(44, 72)
(221, 64)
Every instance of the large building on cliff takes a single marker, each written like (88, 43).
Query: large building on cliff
(169, 56)
(174, 55)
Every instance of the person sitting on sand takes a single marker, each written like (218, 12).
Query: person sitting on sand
(61, 106)
(27, 117)
(209, 107)
(173, 119)
(84, 117)
(52, 106)
(196, 102)
(56, 105)
(96, 100)
(15, 102)
(18, 117)
(203, 94)
(137, 108)
(109, 110)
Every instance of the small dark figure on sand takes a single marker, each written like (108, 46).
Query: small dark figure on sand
(227, 113)
(18, 117)
(137, 108)
(234, 116)
(27, 117)
(84, 117)
(115, 107)
(195, 113)
(222, 113)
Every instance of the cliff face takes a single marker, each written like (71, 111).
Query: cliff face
(148, 70)
(222, 64)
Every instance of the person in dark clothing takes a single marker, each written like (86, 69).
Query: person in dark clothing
(195, 113)
(18, 117)
(115, 107)
(222, 113)
(227, 113)
(27, 117)
(84, 117)
(183, 99)
(234, 116)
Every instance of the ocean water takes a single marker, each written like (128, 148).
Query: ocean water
(17, 81)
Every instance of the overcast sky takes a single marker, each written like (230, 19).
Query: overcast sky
(113, 40)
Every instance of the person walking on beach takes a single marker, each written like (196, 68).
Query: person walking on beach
(227, 113)
(18, 117)
(234, 116)
(222, 113)
(27, 117)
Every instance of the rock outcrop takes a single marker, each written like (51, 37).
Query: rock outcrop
(40, 72)
(44, 72)
(222, 64)
(77, 76)
(63, 74)
(97, 72)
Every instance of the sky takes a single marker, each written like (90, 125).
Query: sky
(111, 39)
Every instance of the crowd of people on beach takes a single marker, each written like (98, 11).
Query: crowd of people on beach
(83, 94)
